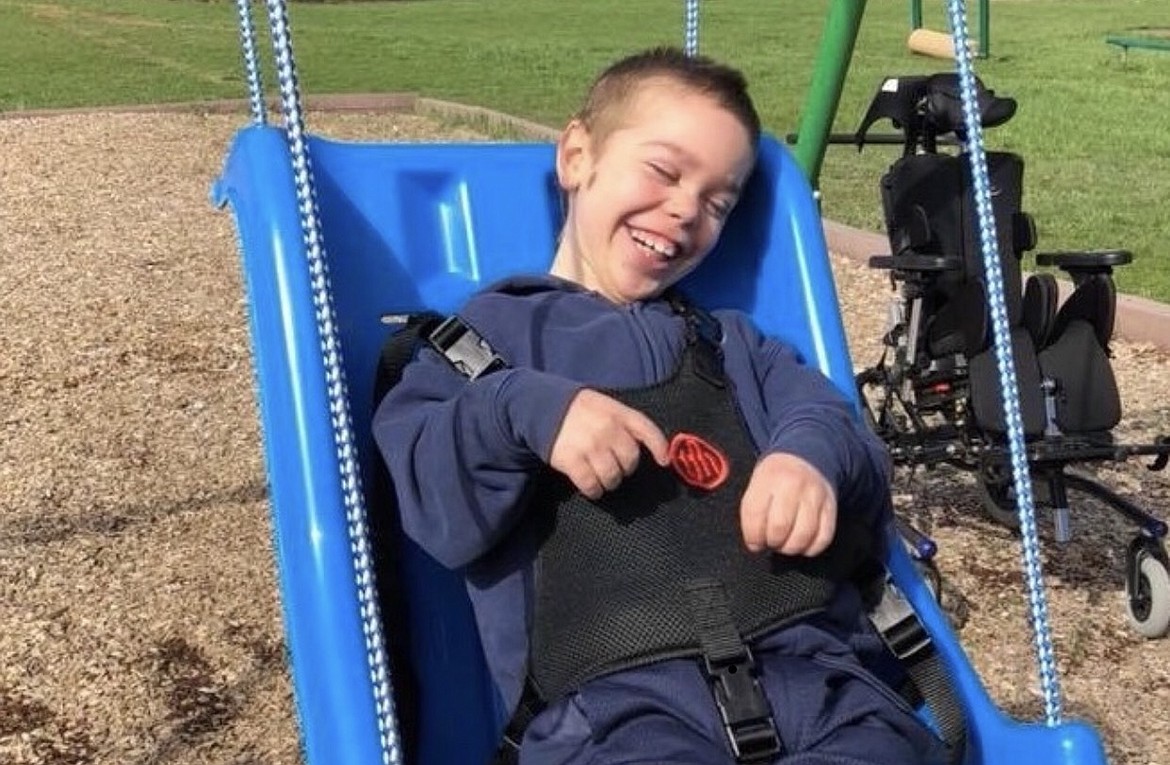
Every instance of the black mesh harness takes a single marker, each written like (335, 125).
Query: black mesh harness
(657, 569)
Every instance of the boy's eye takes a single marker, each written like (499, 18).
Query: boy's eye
(718, 208)
(663, 172)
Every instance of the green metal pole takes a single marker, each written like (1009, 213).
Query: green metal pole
(915, 14)
(824, 94)
(984, 28)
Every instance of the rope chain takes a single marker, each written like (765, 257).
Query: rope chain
(251, 61)
(691, 28)
(338, 394)
(1030, 544)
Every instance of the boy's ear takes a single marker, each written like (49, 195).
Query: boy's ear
(573, 155)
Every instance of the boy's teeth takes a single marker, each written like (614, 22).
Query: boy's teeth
(662, 249)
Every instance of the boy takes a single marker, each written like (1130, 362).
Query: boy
(644, 498)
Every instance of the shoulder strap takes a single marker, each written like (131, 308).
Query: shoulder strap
(399, 349)
(699, 321)
(704, 337)
(456, 340)
(907, 639)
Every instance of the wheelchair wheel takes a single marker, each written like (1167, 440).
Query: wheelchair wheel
(997, 494)
(998, 499)
(1148, 603)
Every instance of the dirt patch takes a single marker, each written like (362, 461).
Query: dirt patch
(140, 620)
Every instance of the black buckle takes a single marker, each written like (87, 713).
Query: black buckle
(465, 349)
(898, 625)
(746, 717)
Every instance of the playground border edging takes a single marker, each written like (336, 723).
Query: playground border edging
(1138, 319)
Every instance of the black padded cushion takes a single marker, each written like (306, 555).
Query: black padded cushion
(1087, 400)
(1040, 298)
(1093, 301)
(986, 404)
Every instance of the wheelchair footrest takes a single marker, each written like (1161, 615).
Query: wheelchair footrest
(1072, 449)
(1060, 450)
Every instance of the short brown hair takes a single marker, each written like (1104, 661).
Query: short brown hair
(621, 80)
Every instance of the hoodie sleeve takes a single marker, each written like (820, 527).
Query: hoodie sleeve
(460, 453)
(809, 417)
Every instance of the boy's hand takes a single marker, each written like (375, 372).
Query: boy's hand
(788, 507)
(600, 442)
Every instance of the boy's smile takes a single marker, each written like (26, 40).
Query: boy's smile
(654, 245)
(649, 190)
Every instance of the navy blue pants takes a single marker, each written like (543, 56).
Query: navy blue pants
(829, 710)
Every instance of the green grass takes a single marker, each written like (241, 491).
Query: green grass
(1091, 127)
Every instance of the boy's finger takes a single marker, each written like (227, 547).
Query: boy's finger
(753, 517)
(649, 435)
(586, 482)
(782, 519)
(591, 488)
(627, 451)
(607, 469)
(803, 532)
(826, 530)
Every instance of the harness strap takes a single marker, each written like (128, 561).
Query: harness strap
(529, 706)
(894, 619)
(400, 348)
(473, 356)
(731, 670)
(705, 334)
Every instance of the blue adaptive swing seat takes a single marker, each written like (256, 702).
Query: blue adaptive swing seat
(413, 227)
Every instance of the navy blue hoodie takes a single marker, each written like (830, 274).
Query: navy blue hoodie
(461, 453)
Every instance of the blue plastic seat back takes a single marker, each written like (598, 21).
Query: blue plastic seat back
(415, 227)
(409, 227)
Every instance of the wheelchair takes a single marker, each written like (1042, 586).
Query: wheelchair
(933, 396)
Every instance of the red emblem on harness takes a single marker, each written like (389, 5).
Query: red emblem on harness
(697, 462)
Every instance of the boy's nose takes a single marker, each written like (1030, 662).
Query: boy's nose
(684, 206)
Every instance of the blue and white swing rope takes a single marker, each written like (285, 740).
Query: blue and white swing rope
(691, 27)
(340, 415)
(251, 62)
(1009, 390)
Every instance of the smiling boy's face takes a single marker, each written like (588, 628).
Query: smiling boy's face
(649, 194)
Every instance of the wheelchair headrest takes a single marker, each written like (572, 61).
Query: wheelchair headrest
(925, 107)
